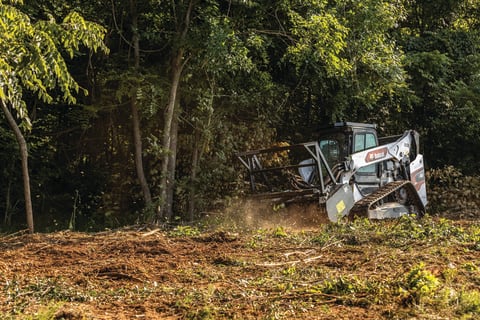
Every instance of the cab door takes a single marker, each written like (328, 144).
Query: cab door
(366, 178)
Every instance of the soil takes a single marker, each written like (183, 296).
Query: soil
(141, 273)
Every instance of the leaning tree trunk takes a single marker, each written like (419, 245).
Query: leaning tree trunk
(24, 158)
(137, 136)
(172, 162)
(137, 141)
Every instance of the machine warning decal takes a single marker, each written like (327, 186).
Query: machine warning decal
(418, 178)
(376, 154)
(340, 206)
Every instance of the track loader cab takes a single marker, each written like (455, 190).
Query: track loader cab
(339, 141)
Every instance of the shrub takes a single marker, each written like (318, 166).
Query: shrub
(453, 194)
(419, 285)
(469, 302)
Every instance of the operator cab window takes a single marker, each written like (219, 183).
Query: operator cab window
(362, 141)
(331, 150)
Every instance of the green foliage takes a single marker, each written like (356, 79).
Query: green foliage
(224, 50)
(456, 129)
(442, 63)
(319, 37)
(424, 229)
(196, 304)
(342, 286)
(50, 292)
(184, 231)
(420, 285)
(377, 62)
(32, 67)
(345, 63)
(434, 15)
(469, 303)
(280, 232)
(452, 193)
(48, 312)
(31, 57)
(398, 233)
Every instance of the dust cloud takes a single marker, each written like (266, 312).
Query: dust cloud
(263, 214)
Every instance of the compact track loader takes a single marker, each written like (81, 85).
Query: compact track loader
(346, 171)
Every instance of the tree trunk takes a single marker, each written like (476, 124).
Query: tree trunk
(137, 141)
(193, 177)
(137, 136)
(24, 158)
(177, 63)
(172, 162)
(8, 211)
(165, 212)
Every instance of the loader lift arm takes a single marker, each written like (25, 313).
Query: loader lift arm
(403, 151)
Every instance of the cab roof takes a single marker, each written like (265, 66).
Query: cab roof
(355, 124)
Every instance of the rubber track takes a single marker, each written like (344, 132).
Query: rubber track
(362, 206)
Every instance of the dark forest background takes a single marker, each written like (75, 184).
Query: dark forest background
(196, 81)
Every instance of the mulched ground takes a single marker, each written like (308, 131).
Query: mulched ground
(152, 274)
